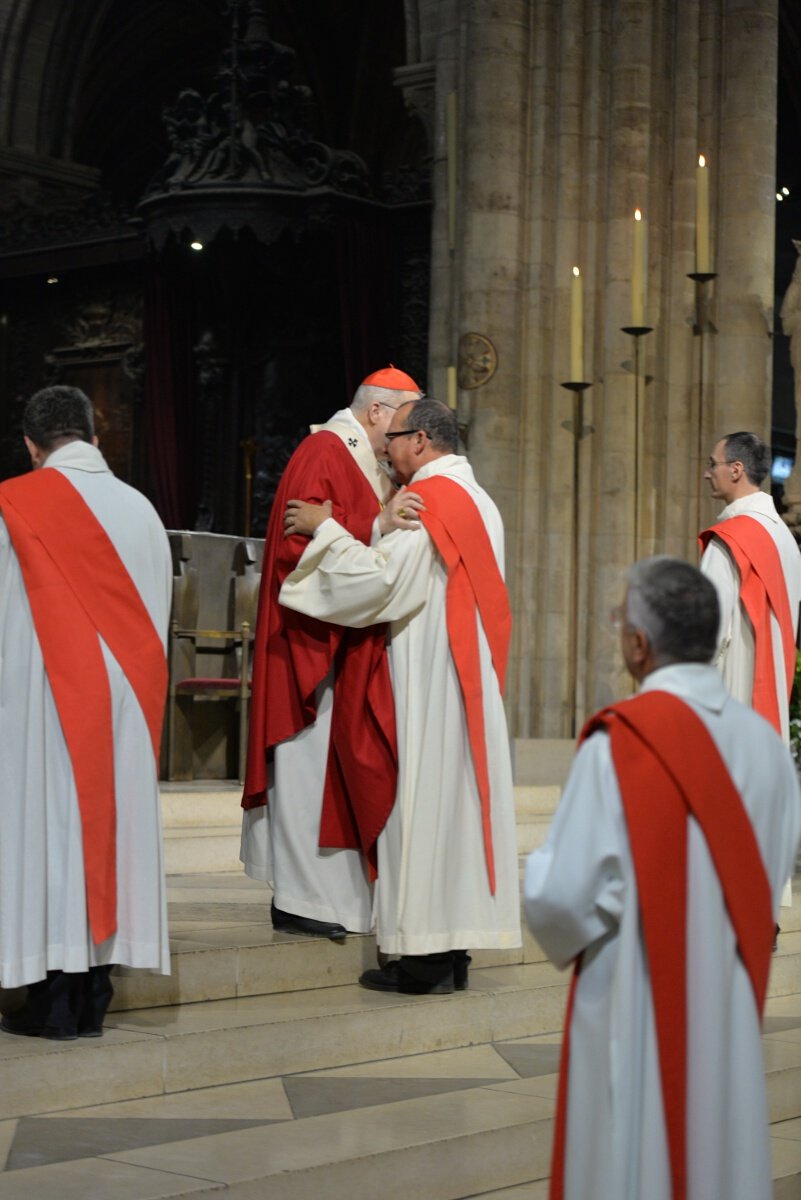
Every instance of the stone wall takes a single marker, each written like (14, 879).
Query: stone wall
(570, 115)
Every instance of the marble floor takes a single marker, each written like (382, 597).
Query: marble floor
(420, 1122)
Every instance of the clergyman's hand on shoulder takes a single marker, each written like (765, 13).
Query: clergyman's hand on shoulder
(303, 519)
(400, 512)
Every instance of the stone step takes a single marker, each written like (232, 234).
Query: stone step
(184, 806)
(286, 1037)
(542, 760)
(150, 1051)
(224, 946)
(536, 800)
(450, 1120)
(202, 827)
(204, 848)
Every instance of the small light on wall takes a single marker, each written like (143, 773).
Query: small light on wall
(52, 279)
(195, 245)
(779, 196)
(785, 191)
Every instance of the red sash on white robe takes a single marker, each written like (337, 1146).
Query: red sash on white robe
(668, 769)
(80, 591)
(763, 591)
(475, 587)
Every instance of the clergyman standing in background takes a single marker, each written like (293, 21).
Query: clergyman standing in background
(659, 880)
(754, 562)
(85, 591)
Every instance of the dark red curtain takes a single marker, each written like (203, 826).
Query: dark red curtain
(169, 393)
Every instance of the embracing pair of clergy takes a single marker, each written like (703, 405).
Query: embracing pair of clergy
(415, 776)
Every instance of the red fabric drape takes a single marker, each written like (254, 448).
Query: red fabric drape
(169, 388)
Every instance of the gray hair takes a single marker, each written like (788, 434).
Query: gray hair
(438, 421)
(367, 394)
(676, 607)
(751, 451)
(56, 413)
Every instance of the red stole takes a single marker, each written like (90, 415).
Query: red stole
(762, 591)
(669, 768)
(80, 591)
(475, 588)
(294, 653)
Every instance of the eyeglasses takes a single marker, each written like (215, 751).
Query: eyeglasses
(711, 463)
(402, 433)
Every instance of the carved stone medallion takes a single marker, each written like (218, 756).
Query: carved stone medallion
(478, 360)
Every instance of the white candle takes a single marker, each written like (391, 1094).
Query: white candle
(638, 259)
(576, 327)
(452, 388)
(702, 261)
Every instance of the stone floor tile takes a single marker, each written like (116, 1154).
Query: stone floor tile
(313, 1095)
(787, 1129)
(101, 1179)
(780, 1052)
(40, 1141)
(525, 1191)
(532, 1058)
(7, 1131)
(467, 1062)
(786, 1157)
(544, 1086)
(263, 1099)
(339, 1137)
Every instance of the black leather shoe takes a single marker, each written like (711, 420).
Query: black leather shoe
(19, 1024)
(290, 923)
(461, 963)
(394, 977)
(382, 979)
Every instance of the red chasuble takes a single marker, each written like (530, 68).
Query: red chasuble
(475, 588)
(668, 769)
(294, 653)
(80, 591)
(762, 591)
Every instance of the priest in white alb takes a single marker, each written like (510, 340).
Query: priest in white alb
(659, 882)
(85, 588)
(447, 856)
(754, 562)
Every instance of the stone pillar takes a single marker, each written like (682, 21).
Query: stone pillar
(572, 115)
(745, 225)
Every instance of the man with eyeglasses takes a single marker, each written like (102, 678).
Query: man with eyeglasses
(447, 855)
(659, 882)
(754, 562)
(321, 746)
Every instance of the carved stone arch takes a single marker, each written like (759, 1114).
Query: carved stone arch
(417, 76)
(43, 72)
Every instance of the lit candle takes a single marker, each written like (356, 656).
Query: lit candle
(452, 388)
(638, 257)
(576, 327)
(702, 217)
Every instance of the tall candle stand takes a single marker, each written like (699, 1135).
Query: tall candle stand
(579, 430)
(637, 332)
(701, 327)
